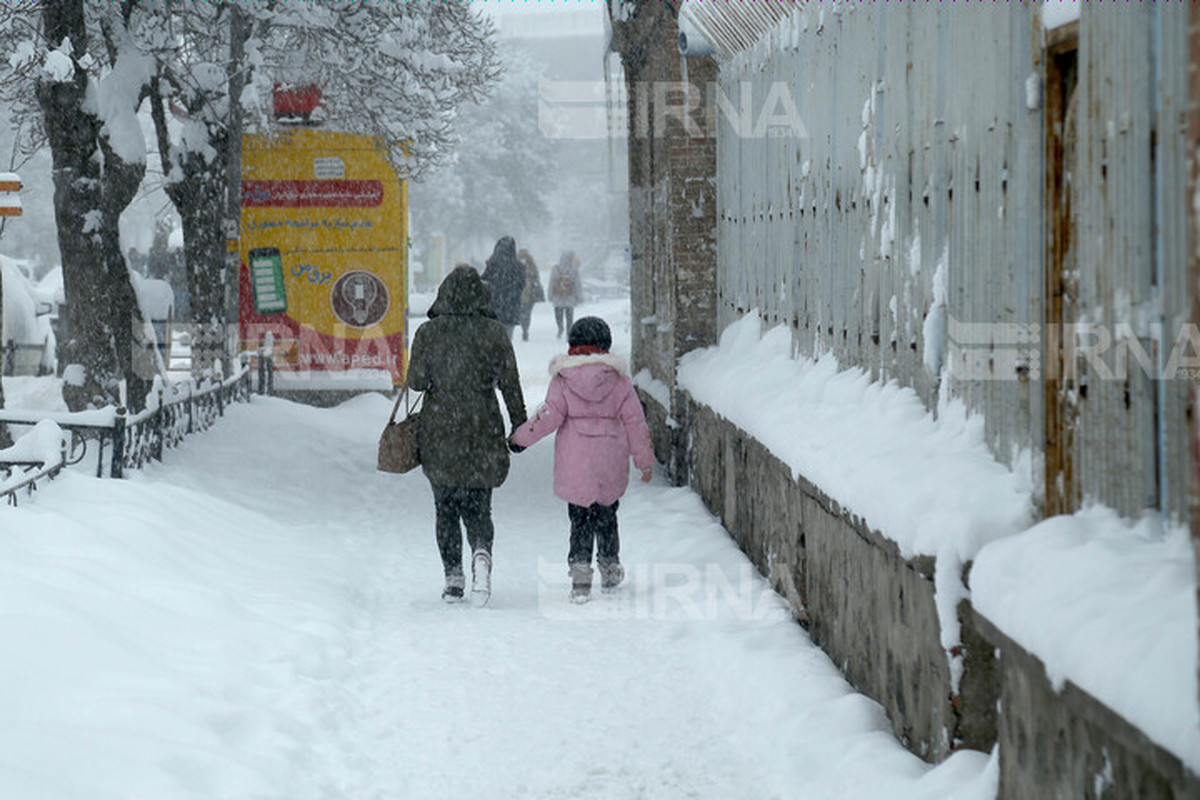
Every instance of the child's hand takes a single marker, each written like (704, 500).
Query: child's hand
(647, 474)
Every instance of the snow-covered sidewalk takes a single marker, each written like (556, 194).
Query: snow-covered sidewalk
(259, 617)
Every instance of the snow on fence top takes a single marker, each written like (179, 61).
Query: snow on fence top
(1059, 13)
(1104, 602)
(930, 485)
(45, 443)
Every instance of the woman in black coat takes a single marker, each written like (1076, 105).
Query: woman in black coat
(459, 358)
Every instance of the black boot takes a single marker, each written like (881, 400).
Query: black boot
(455, 584)
(611, 575)
(581, 583)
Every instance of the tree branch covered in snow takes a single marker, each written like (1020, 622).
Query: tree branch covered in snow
(394, 70)
(76, 64)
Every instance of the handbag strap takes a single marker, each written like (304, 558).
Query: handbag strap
(408, 406)
(395, 408)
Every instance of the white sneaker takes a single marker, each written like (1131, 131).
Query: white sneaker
(481, 578)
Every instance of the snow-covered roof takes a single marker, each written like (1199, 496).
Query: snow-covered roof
(730, 28)
(20, 320)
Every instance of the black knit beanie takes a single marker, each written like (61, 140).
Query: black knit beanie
(590, 332)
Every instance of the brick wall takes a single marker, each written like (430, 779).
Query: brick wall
(672, 168)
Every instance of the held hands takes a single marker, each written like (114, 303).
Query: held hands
(513, 446)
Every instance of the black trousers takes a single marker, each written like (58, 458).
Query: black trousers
(561, 314)
(593, 526)
(474, 508)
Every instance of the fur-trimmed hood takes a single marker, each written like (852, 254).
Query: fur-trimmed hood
(592, 377)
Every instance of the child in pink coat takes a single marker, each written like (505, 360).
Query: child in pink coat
(600, 423)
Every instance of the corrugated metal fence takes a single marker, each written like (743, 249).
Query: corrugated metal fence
(899, 218)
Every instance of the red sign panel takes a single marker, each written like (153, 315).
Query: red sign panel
(302, 194)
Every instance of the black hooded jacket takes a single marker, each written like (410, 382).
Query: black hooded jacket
(459, 358)
(505, 275)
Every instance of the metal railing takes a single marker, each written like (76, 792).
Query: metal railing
(165, 422)
(18, 475)
(131, 440)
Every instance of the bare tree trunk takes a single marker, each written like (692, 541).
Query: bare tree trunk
(73, 134)
(135, 354)
(208, 199)
(200, 200)
(239, 34)
(92, 185)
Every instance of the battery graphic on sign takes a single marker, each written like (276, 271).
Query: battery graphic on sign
(266, 276)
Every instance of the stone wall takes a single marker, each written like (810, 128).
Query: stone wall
(875, 614)
(870, 609)
(1068, 744)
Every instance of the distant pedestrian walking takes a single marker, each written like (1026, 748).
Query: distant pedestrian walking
(600, 424)
(459, 358)
(566, 291)
(533, 292)
(505, 276)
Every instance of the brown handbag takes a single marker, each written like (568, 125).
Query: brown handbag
(398, 450)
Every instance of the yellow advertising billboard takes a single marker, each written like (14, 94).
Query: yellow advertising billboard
(323, 247)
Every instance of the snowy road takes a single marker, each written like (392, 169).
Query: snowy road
(259, 617)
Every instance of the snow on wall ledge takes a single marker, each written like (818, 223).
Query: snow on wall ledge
(1109, 605)
(929, 485)
(1103, 602)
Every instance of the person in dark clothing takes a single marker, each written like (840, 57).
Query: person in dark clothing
(458, 359)
(505, 276)
(532, 294)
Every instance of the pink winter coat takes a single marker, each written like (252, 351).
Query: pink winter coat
(600, 424)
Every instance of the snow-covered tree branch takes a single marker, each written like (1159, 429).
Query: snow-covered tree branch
(391, 70)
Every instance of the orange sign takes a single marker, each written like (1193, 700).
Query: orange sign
(10, 201)
(323, 252)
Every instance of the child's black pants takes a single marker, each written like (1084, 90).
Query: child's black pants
(593, 526)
